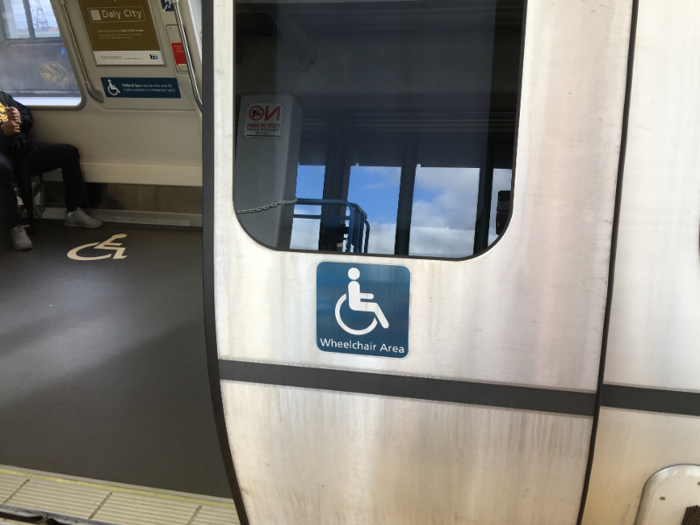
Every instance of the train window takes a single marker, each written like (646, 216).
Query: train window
(376, 190)
(305, 229)
(34, 65)
(500, 202)
(444, 211)
(376, 127)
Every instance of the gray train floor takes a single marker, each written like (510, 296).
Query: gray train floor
(103, 364)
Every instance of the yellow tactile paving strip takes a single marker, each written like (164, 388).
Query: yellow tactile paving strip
(115, 503)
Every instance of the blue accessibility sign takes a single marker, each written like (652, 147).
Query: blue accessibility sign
(362, 309)
(168, 5)
(128, 87)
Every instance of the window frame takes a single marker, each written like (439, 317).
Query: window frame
(43, 102)
(485, 196)
(30, 28)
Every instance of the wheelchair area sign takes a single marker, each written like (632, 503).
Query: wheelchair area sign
(362, 309)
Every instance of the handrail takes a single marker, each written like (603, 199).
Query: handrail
(188, 56)
(94, 93)
(358, 226)
(312, 202)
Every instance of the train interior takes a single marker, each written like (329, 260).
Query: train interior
(106, 407)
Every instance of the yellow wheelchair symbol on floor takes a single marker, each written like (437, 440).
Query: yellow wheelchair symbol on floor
(109, 244)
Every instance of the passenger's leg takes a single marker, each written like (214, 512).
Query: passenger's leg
(47, 156)
(9, 214)
(8, 201)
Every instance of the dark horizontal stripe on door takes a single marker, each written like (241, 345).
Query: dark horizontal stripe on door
(411, 387)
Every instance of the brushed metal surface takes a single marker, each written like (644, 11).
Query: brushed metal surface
(667, 495)
(654, 328)
(630, 447)
(412, 387)
(323, 457)
(679, 402)
(528, 311)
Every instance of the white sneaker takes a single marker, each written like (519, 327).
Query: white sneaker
(80, 219)
(20, 239)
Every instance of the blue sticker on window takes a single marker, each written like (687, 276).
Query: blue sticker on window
(362, 309)
(122, 87)
(63, 51)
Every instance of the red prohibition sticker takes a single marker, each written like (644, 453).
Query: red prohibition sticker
(264, 120)
(256, 113)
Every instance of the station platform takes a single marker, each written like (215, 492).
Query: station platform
(102, 358)
(112, 503)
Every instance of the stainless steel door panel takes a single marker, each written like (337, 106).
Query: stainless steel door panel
(630, 447)
(530, 310)
(324, 457)
(654, 328)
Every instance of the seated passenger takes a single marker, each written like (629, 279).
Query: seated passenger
(17, 146)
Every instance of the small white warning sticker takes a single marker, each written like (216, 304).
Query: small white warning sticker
(264, 120)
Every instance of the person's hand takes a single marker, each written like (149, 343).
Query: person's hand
(13, 114)
(11, 127)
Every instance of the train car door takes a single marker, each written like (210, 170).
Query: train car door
(384, 348)
(645, 465)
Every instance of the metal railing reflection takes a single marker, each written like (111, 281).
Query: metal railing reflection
(357, 228)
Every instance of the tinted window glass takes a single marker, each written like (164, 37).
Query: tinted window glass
(444, 211)
(376, 190)
(391, 125)
(33, 60)
(305, 230)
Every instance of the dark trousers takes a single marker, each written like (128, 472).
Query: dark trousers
(44, 156)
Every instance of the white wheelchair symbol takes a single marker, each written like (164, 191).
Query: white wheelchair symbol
(113, 90)
(116, 247)
(356, 303)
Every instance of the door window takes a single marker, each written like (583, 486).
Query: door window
(377, 127)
